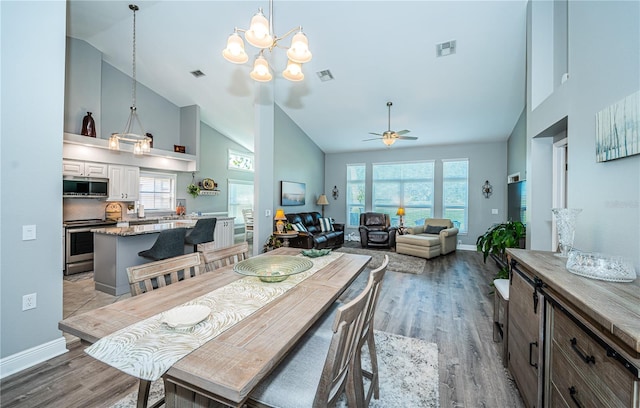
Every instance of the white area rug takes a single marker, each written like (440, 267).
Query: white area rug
(408, 374)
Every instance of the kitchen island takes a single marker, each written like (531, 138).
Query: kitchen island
(116, 248)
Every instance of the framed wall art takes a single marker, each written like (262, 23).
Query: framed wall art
(618, 129)
(292, 193)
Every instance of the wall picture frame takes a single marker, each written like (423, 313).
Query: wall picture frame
(292, 193)
(618, 129)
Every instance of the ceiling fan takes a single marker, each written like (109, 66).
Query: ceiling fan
(389, 137)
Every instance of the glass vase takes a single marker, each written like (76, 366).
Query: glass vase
(566, 228)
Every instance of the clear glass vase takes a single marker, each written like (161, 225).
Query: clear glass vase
(566, 228)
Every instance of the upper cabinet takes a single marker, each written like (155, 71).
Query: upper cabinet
(124, 183)
(84, 169)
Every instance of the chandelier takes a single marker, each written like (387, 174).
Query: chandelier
(141, 142)
(260, 35)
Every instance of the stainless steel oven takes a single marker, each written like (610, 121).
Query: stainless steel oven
(78, 245)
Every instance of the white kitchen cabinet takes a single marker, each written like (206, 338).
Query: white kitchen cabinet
(124, 183)
(84, 169)
(223, 234)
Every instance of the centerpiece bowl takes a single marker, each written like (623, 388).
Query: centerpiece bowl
(272, 268)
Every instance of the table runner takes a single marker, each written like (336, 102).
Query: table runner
(147, 349)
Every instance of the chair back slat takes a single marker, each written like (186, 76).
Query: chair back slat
(153, 275)
(219, 258)
(376, 277)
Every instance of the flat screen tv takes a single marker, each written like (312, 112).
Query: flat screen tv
(517, 201)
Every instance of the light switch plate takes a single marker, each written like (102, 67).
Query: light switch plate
(28, 232)
(267, 213)
(494, 211)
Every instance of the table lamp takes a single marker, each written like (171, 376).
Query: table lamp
(280, 217)
(401, 214)
(322, 201)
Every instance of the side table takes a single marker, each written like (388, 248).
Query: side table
(285, 236)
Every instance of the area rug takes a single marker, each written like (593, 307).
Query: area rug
(408, 370)
(397, 262)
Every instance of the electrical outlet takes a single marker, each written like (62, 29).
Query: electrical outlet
(29, 301)
(459, 242)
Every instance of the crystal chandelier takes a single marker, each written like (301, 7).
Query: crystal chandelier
(141, 142)
(260, 35)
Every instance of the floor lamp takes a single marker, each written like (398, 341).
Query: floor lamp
(322, 201)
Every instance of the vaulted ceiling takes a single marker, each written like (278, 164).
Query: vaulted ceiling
(377, 51)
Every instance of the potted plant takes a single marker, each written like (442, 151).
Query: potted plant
(193, 189)
(271, 244)
(497, 239)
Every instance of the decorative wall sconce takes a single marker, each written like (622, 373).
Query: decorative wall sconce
(335, 192)
(487, 189)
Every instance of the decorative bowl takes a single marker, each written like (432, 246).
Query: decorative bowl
(272, 268)
(314, 253)
(601, 267)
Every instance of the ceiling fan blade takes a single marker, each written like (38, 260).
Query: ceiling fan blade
(377, 134)
(407, 137)
(403, 132)
(375, 138)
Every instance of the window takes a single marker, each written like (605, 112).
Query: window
(240, 198)
(355, 193)
(157, 191)
(455, 192)
(404, 184)
(240, 161)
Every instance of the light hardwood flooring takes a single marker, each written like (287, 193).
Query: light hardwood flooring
(450, 304)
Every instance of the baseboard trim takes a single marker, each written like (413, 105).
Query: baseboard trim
(30, 357)
(466, 247)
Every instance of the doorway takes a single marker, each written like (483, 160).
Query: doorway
(559, 193)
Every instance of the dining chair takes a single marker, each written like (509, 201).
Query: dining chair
(320, 368)
(202, 232)
(153, 275)
(218, 258)
(169, 244)
(247, 214)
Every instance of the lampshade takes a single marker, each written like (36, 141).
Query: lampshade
(293, 72)
(260, 71)
(280, 215)
(400, 211)
(299, 50)
(258, 33)
(387, 139)
(235, 50)
(322, 200)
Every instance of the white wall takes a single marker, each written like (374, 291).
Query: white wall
(33, 72)
(604, 62)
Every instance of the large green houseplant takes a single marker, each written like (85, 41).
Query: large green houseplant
(497, 239)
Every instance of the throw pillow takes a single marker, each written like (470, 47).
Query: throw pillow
(298, 226)
(326, 224)
(433, 229)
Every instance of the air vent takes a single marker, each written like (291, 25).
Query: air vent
(325, 75)
(446, 48)
(197, 73)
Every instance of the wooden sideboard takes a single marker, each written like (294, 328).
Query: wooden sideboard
(573, 341)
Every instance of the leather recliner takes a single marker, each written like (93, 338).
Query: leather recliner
(375, 231)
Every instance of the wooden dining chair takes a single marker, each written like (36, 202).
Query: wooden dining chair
(153, 275)
(320, 368)
(247, 215)
(218, 258)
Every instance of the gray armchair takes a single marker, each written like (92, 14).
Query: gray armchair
(375, 231)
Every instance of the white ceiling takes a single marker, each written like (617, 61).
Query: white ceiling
(377, 51)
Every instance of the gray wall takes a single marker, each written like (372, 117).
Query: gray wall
(604, 61)
(33, 71)
(487, 161)
(517, 148)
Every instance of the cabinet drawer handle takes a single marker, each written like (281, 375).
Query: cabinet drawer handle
(587, 359)
(533, 343)
(573, 393)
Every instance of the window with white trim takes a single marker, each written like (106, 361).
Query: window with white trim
(240, 161)
(355, 193)
(408, 185)
(158, 191)
(240, 197)
(455, 192)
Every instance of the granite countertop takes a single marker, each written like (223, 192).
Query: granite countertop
(144, 229)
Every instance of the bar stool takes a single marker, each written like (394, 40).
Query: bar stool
(169, 243)
(501, 315)
(202, 232)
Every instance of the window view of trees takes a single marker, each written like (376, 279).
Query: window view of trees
(355, 193)
(455, 192)
(240, 198)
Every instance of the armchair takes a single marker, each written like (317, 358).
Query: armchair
(375, 230)
(443, 229)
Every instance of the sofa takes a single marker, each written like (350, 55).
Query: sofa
(312, 235)
(436, 237)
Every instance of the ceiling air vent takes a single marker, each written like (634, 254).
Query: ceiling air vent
(325, 75)
(197, 73)
(446, 48)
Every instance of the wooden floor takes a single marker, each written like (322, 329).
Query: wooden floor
(450, 304)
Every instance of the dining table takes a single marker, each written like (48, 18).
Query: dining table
(225, 368)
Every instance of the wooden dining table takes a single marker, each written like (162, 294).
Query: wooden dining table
(224, 370)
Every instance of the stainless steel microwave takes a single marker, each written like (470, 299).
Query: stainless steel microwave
(84, 187)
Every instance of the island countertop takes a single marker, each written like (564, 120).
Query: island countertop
(144, 229)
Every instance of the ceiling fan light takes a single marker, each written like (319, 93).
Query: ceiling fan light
(258, 34)
(299, 50)
(293, 72)
(235, 50)
(260, 70)
(388, 140)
